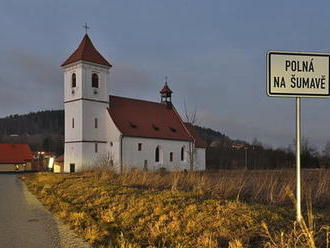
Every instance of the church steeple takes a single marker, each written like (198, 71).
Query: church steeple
(86, 52)
(86, 99)
(166, 94)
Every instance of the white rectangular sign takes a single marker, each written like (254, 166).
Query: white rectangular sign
(297, 74)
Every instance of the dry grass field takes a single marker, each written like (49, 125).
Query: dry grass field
(214, 209)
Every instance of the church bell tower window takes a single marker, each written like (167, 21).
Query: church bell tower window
(95, 80)
(73, 80)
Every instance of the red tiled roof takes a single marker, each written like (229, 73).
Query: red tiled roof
(15, 153)
(139, 118)
(199, 142)
(166, 90)
(86, 52)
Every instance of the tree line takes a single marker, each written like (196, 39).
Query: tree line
(44, 131)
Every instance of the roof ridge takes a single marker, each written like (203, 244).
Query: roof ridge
(135, 99)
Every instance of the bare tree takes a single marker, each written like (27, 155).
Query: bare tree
(326, 151)
(189, 116)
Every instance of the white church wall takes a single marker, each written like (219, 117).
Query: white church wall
(73, 111)
(88, 91)
(72, 155)
(132, 158)
(69, 92)
(84, 89)
(114, 139)
(93, 157)
(199, 159)
(84, 156)
(92, 111)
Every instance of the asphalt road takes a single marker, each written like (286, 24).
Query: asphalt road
(25, 223)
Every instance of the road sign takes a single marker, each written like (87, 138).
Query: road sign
(298, 74)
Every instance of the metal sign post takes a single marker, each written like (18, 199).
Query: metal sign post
(298, 169)
(298, 74)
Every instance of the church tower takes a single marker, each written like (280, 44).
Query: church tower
(86, 99)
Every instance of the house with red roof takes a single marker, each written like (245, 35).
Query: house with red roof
(15, 157)
(120, 132)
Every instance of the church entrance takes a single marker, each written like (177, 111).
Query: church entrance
(72, 168)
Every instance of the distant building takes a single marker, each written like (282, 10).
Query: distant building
(42, 160)
(59, 164)
(117, 131)
(15, 157)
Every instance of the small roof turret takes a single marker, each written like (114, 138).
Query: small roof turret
(166, 90)
(166, 94)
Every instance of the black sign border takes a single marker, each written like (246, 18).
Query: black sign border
(292, 94)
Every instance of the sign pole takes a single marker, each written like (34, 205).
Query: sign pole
(298, 74)
(298, 136)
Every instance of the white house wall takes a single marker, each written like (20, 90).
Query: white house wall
(132, 158)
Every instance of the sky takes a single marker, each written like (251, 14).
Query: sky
(213, 52)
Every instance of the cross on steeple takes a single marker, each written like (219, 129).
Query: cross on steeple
(86, 27)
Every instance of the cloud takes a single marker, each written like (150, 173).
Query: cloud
(238, 128)
(34, 67)
(29, 82)
(127, 80)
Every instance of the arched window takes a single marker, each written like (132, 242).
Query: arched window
(95, 80)
(157, 154)
(73, 80)
(182, 153)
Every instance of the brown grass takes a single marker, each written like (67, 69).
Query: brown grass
(222, 209)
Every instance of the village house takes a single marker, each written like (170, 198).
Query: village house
(15, 157)
(116, 131)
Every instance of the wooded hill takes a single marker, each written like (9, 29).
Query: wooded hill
(43, 122)
(44, 131)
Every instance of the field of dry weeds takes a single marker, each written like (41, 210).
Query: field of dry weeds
(212, 209)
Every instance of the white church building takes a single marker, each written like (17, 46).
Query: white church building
(117, 131)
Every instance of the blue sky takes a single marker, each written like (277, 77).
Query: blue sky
(212, 51)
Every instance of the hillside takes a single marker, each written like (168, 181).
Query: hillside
(42, 130)
(43, 122)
